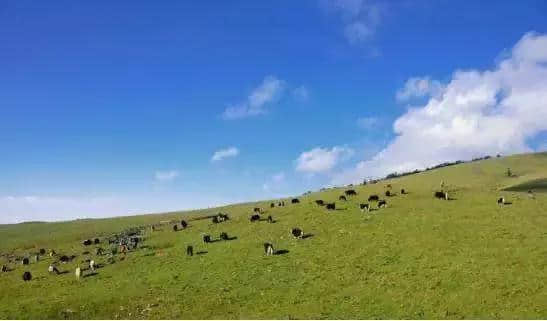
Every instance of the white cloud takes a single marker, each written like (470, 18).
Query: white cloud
(255, 104)
(224, 153)
(419, 87)
(478, 113)
(166, 176)
(320, 159)
(360, 17)
(367, 122)
(301, 93)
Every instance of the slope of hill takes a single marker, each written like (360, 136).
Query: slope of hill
(418, 258)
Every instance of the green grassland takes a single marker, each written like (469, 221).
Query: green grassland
(419, 258)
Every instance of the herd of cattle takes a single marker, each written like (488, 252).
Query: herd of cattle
(129, 239)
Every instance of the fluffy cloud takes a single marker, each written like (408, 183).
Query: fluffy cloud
(419, 87)
(360, 18)
(224, 153)
(166, 176)
(320, 159)
(475, 114)
(255, 104)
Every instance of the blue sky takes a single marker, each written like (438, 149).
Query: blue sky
(118, 108)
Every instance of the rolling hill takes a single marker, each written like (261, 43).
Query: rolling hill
(418, 258)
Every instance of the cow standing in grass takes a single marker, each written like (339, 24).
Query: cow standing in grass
(268, 249)
(320, 202)
(342, 198)
(373, 198)
(330, 206)
(382, 203)
(190, 250)
(364, 207)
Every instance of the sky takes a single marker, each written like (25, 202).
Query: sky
(127, 107)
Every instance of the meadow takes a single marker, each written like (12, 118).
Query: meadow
(419, 258)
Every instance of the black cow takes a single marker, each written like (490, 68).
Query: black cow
(206, 238)
(364, 207)
(87, 242)
(42, 251)
(388, 193)
(441, 195)
(64, 259)
(501, 201)
(4, 268)
(295, 200)
(272, 205)
(215, 220)
(255, 218)
(373, 198)
(297, 233)
(319, 202)
(268, 249)
(224, 236)
(403, 191)
(279, 204)
(183, 224)
(25, 261)
(350, 192)
(27, 276)
(270, 219)
(257, 210)
(175, 228)
(190, 250)
(342, 198)
(330, 206)
(96, 241)
(382, 203)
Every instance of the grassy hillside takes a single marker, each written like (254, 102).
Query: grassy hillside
(418, 258)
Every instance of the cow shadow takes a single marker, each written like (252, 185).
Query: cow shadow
(281, 252)
(90, 274)
(341, 209)
(62, 272)
(214, 241)
(201, 252)
(306, 236)
(231, 238)
(507, 203)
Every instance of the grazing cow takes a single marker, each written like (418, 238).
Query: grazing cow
(272, 205)
(206, 238)
(364, 207)
(319, 202)
(270, 219)
(96, 241)
(373, 198)
(4, 268)
(342, 198)
(52, 253)
(175, 228)
(87, 242)
(295, 201)
(25, 261)
(215, 220)
(350, 192)
(403, 191)
(224, 236)
(78, 272)
(92, 265)
(279, 204)
(53, 269)
(382, 203)
(64, 259)
(257, 210)
(297, 233)
(388, 193)
(501, 201)
(330, 206)
(268, 249)
(42, 251)
(190, 250)
(440, 195)
(255, 218)
(183, 224)
(27, 276)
